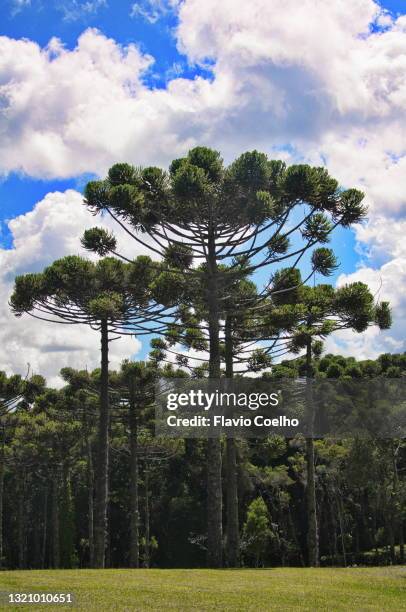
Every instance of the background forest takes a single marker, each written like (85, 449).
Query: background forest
(48, 477)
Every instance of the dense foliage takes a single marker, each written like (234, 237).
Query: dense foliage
(49, 443)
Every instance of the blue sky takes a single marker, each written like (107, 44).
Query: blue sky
(319, 82)
(40, 20)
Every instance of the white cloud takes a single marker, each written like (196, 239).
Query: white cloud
(18, 5)
(51, 230)
(310, 76)
(281, 76)
(386, 283)
(74, 10)
(383, 269)
(153, 10)
(313, 75)
(384, 238)
(65, 112)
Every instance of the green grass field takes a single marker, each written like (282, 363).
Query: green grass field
(224, 590)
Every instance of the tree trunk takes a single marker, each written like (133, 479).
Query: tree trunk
(21, 522)
(391, 538)
(391, 515)
(214, 488)
(134, 510)
(102, 468)
(233, 531)
(147, 517)
(67, 525)
(397, 510)
(401, 543)
(44, 528)
(90, 500)
(294, 536)
(334, 530)
(312, 527)
(2, 444)
(341, 524)
(55, 520)
(36, 545)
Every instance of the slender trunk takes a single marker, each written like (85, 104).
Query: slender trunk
(397, 509)
(334, 530)
(214, 488)
(329, 534)
(107, 553)
(55, 520)
(357, 539)
(90, 500)
(102, 468)
(375, 523)
(35, 562)
(21, 522)
(341, 524)
(391, 538)
(67, 524)
(312, 527)
(44, 527)
(294, 536)
(147, 517)
(391, 514)
(280, 527)
(134, 511)
(233, 531)
(2, 445)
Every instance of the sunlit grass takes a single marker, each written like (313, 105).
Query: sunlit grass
(358, 589)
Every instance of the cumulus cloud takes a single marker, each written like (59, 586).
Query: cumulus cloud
(384, 239)
(60, 110)
(386, 282)
(314, 75)
(310, 75)
(382, 248)
(290, 65)
(321, 80)
(51, 230)
(281, 76)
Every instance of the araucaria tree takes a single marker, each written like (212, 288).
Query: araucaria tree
(311, 314)
(104, 295)
(253, 214)
(135, 385)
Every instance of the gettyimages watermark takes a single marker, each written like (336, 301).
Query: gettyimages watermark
(253, 408)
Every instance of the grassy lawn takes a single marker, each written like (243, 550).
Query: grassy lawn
(223, 590)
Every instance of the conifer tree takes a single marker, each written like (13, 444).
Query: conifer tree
(257, 210)
(312, 314)
(104, 295)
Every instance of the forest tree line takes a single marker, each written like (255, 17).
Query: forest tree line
(48, 454)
